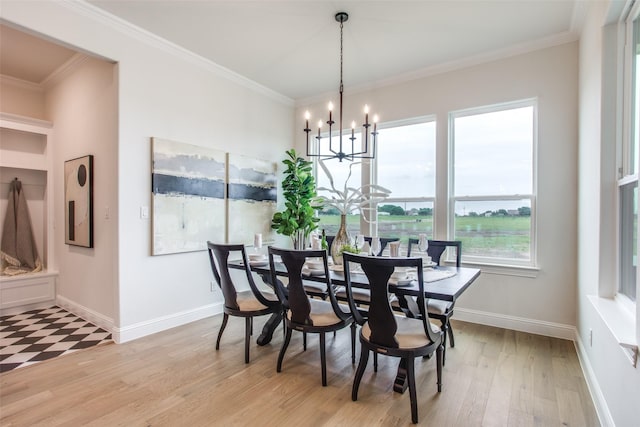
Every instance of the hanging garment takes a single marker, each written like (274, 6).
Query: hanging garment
(18, 250)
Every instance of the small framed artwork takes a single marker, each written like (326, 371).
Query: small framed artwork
(78, 201)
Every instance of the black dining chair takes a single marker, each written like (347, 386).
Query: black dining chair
(306, 314)
(438, 309)
(383, 332)
(247, 304)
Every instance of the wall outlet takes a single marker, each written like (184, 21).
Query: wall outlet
(590, 337)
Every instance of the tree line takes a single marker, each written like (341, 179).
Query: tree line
(400, 211)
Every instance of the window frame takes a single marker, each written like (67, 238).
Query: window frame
(628, 159)
(452, 198)
(372, 226)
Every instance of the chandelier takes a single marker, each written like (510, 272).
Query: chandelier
(338, 152)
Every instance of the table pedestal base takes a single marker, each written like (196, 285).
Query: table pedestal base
(400, 384)
(268, 328)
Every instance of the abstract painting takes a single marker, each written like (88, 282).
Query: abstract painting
(78, 201)
(251, 198)
(188, 191)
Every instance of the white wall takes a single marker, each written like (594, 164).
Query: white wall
(546, 303)
(614, 382)
(165, 93)
(83, 106)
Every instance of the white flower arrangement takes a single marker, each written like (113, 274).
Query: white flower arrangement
(350, 199)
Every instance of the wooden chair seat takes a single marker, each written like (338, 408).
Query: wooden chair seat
(247, 301)
(410, 333)
(322, 314)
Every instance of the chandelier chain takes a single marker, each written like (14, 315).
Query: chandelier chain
(341, 85)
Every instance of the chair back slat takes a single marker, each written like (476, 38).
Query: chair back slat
(221, 272)
(381, 319)
(298, 300)
(219, 258)
(295, 297)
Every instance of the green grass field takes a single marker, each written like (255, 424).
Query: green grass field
(495, 236)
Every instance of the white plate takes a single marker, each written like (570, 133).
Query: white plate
(259, 263)
(401, 282)
(404, 282)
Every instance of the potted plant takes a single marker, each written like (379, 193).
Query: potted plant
(298, 219)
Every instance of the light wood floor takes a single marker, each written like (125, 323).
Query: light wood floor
(493, 377)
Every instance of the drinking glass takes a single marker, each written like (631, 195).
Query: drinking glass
(359, 241)
(423, 242)
(375, 246)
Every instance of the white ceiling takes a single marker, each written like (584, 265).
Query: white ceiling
(292, 47)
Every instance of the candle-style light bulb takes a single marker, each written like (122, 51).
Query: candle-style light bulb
(366, 109)
(307, 115)
(353, 124)
(375, 122)
(330, 106)
(319, 127)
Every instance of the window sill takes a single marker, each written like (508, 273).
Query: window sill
(621, 322)
(505, 270)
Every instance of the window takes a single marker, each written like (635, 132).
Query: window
(330, 216)
(628, 181)
(492, 204)
(406, 165)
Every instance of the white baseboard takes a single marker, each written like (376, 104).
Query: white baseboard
(521, 324)
(602, 409)
(139, 330)
(87, 314)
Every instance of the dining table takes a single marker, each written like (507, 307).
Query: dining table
(445, 283)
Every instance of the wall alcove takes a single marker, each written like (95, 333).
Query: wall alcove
(25, 153)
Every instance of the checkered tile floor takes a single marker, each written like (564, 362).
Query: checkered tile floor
(38, 335)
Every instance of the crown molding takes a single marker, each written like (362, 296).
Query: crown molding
(158, 42)
(64, 70)
(467, 62)
(21, 84)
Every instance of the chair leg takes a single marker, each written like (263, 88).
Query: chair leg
(439, 363)
(353, 343)
(247, 337)
(283, 349)
(411, 378)
(362, 365)
(375, 362)
(304, 341)
(452, 343)
(225, 318)
(323, 360)
(444, 342)
(251, 330)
